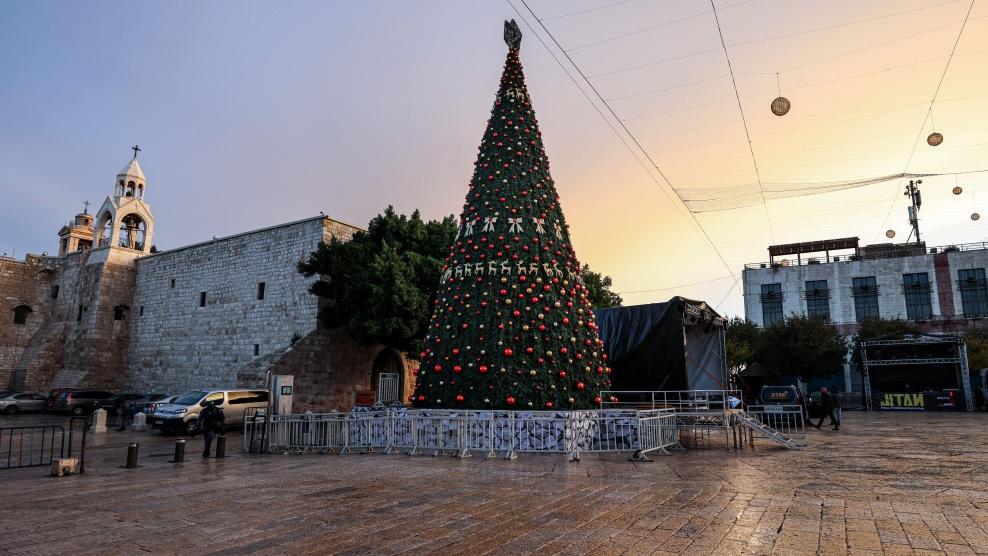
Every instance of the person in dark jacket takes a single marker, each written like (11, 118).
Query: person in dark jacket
(827, 405)
(210, 423)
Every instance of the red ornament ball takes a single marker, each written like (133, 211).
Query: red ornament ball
(508, 352)
(457, 369)
(580, 386)
(482, 369)
(510, 400)
(459, 398)
(438, 368)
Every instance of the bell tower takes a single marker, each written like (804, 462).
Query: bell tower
(76, 235)
(124, 220)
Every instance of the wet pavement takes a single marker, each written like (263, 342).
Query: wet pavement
(886, 484)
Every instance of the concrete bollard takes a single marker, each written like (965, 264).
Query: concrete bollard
(221, 446)
(132, 455)
(99, 421)
(140, 423)
(179, 451)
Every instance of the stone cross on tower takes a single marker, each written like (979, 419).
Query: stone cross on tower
(86, 209)
(136, 149)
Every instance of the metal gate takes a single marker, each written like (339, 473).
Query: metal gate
(387, 387)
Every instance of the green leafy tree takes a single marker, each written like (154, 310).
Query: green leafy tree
(876, 328)
(513, 326)
(380, 285)
(805, 346)
(740, 338)
(599, 289)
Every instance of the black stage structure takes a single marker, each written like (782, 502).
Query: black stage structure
(916, 372)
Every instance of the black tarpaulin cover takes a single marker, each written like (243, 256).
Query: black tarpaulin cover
(675, 345)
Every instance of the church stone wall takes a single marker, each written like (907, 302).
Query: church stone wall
(28, 283)
(176, 344)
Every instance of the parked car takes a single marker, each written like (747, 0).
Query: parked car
(113, 404)
(182, 415)
(142, 403)
(54, 394)
(81, 402)
(19, 403)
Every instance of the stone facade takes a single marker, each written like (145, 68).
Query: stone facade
(940, 265)
(222, 313)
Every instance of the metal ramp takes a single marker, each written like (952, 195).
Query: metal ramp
(756, 426)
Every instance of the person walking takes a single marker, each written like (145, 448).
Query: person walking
(210, 423)
(827, 405)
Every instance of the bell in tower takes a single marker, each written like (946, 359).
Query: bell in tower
(124, 220)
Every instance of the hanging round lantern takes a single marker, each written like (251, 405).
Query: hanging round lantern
(890, 234)
(780, 106)
(975, 216)
(934, 139)
(957, 190)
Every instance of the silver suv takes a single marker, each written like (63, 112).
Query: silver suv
(182, 415)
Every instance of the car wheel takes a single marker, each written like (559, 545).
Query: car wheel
(11, 409)
(191, 428)
(77, 410)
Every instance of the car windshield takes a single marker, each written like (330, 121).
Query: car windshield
(190, 398)
(157, 397)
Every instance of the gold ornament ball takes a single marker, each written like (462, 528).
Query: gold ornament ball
(780, 106)
(934, 139)
(890, 234)
(975, 216)
(533, 372)
(957, 190)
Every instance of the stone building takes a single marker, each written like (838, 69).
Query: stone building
(943, 289)
(109, 312)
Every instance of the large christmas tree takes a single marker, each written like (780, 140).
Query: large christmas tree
(512, 327)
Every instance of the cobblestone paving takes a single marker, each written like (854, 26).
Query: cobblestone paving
(887, 484)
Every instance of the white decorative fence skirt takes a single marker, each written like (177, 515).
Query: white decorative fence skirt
(461, 432)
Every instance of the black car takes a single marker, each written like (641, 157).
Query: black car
(81, 402)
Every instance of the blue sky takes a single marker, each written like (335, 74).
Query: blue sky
(256, 113)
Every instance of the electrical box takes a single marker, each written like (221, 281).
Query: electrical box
(282, 387)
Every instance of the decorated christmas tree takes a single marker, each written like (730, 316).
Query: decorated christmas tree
(512, 326)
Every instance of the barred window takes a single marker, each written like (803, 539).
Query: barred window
(916, 288)
(974, 292)
(817, 299)
(865, 293)
(771, 304)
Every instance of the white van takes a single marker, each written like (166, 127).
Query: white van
(182, 415)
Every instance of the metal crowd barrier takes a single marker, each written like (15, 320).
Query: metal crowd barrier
(787, 419)
(31, 446)
(451, 432)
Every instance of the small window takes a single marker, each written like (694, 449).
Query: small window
(141, 311)
(21, 313)
(253, 396)
(173, 282)
(214, 397)
(54, 291)
(120, 312)
(202, 299)
(257, 349)
(260, 291)
(78, 317)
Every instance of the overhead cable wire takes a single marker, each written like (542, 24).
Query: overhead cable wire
(691, 216)
(651, 28)
(772, 38)
(679, 286)
(581, 12)
(929, 110)
(751, 148)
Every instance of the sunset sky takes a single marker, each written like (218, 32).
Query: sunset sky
(256, 113)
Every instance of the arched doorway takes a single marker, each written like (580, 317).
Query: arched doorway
(390, 386)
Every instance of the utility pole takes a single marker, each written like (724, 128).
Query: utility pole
(916, 201)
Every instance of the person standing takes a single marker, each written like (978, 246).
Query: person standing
(827, 405)
(838, 403)
(210, 422)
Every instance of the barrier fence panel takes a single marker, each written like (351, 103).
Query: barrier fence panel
(657, 431)
(454, 432)
(786, 419)
(31, 446)
(684, 400)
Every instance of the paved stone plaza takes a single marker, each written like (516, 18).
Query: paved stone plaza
(887, 484)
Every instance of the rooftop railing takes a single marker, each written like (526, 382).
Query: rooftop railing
(976, 246)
